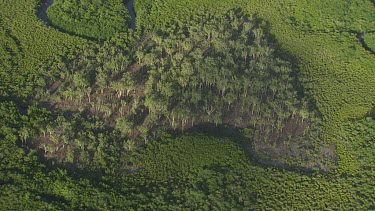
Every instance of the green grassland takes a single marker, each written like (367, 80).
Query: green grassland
(107, 170)
(94, 19)
(369, 39)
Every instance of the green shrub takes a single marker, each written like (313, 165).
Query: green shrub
(369, 39)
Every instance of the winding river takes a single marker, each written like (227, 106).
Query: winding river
(42, 11)
(129, 4)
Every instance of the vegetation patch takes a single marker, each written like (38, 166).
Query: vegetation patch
(360, 138)
(329, 16)
(90, 18)
(221, 71)
(86, 125)
(369, 40)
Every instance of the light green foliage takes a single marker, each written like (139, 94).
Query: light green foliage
(124, 126)
(329, 16)
(90, 18)
(369, 39)
(37, 46)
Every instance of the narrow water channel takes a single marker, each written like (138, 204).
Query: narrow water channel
(42, 12)
(130, 6)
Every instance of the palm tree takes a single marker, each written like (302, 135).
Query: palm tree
(139, 55)
(49, 129)
(44, 146)
(24, 134)
(88, 92)
(304, 114)
(129, 145)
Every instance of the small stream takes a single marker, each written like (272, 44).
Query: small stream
(42, 11)
(129, 4)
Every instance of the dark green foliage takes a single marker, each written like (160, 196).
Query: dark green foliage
(198, 171)
(223, 66)
(359, 136)
(203, 172)
(90, 18)
(80, 120)
(174, 158)
(221, 69)
(185, 172)
(9, 51)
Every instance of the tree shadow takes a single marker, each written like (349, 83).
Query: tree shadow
(295, 63)
(239, 138)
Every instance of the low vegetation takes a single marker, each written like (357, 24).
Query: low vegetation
(90, 18)
(369, 39)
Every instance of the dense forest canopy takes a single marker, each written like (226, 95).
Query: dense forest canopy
(210, 105)
(202, 71)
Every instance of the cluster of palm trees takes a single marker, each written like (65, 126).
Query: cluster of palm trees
(213, 71)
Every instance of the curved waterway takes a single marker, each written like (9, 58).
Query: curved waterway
(129, 4)
(42, 12)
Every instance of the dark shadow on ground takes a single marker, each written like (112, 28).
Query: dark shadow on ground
(238, 137)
